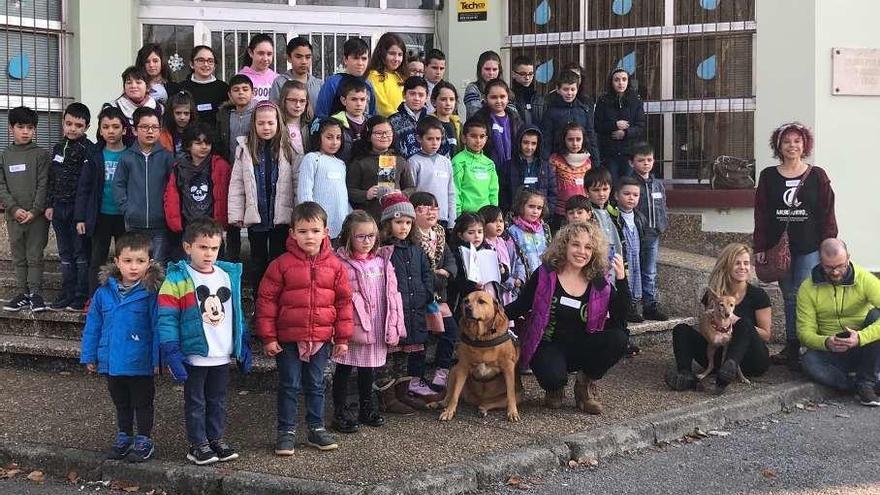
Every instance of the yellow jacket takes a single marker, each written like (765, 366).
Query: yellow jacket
(388, 88)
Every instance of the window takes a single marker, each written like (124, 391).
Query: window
(340, 3)
(176, 43)
(32, 37)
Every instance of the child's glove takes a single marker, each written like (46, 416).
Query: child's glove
(246, 360)
(173, 358)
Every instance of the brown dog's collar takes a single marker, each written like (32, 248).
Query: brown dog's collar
(485, 343)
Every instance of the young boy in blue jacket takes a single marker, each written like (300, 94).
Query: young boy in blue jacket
(201, 331)
(119, 341)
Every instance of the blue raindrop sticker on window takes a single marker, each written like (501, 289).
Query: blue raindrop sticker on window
(542, 13)
(709, 4)
(707, 69)
(627, 63)
(544, 72)
(19, 67)
(621, 7)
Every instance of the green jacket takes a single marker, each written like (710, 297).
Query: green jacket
(24, 178)
(824, 309)
(476, 182)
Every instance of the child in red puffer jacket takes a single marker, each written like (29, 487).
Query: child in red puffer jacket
(303, 308)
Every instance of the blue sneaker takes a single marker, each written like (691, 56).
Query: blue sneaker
(121, 447)
(143, 449)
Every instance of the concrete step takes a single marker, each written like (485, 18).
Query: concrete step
(682, 278)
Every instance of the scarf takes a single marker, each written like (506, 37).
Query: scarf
(128, 106)
(207, 81)
(532, 227)
(433, 247)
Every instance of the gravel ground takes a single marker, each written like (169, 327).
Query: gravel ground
(823, 451)
(74, 410)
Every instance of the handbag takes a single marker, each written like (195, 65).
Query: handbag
(777, 259)
(434, 318)
(731, 173)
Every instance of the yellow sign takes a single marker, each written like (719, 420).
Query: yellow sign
(472, 10)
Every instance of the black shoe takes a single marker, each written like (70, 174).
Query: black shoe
(634, 315)
(681, 380)
(343, 423)
(17, 303)
(223, 450)
(37, 303)
(654, 313)
(632, 350)
(321, 439)
(727, 373)
(790, 356)
(77, 304)
(60, 304)
(202, 455)
(866, 394)
(285, 443)
(369, 414)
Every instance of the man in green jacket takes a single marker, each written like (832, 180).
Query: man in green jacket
(837, 321)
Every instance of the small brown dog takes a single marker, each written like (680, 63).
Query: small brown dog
(485, 374)
(716, 326)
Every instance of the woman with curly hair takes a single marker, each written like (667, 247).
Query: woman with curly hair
(797, 198)
(576, 317)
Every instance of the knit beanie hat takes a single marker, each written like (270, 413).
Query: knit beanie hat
(396, 205)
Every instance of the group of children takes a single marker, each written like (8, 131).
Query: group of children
(365, 231)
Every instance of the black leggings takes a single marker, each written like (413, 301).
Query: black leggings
(746, 348)
(340, 384)
(592, 353)
(133, 397)
(265, 247)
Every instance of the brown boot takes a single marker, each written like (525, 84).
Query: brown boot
(388, 402)
(586, 394)
(553, 398)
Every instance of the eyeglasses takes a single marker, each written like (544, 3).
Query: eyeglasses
(839, 268)
(296, 100)
(427, 209)
(148, 128)
(365, 237)
(524, 74)
(208, 61)
(383, 134)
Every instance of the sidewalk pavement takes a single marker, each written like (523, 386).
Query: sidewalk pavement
(74, 411)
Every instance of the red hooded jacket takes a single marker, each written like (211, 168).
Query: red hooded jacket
(221, 173)
(304, 299)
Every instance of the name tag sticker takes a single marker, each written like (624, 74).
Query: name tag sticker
(530, 180)
(21, 167)
(334, 175)
(579, 181)
(657, 195)
(792, 183)
(58, 158)
(481, 175)
(498, 128)
(441, 174)
(204, 107)
(571, 303)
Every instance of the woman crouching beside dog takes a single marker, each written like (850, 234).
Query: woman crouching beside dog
(568, 299)
(751, 328)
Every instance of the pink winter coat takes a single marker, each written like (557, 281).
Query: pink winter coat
(364, 333)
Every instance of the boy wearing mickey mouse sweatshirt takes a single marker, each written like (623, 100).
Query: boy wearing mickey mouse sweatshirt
(201, 330)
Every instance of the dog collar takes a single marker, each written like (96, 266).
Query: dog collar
(721, 329)
(485, 343)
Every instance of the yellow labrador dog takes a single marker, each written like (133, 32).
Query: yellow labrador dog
(485, 375)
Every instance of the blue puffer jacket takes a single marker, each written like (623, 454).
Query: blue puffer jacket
(120, 335)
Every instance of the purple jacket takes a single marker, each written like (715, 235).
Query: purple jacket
(597, 312)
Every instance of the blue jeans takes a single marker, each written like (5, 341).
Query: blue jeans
(73, 251)
(833, 368)
(295, 376)
(650, 249)
(158, 243)
(204, 402)
(801, 266)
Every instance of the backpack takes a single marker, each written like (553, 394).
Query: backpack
(732, 173)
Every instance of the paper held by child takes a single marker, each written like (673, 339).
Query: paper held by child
(387, 179)
(481, 266)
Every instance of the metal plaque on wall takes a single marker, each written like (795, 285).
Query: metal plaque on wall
(855, 71)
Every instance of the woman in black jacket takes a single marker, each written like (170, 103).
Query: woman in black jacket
(620, 121)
